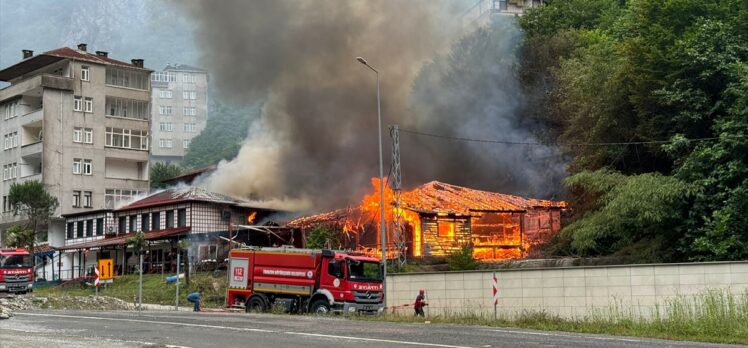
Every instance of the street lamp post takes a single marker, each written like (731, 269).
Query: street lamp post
(381, 185)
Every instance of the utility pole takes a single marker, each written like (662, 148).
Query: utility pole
(400, 239)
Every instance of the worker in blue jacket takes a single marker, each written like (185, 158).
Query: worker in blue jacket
(196, 297)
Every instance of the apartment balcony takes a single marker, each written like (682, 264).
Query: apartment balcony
(32, 149)
(34, 85)
(33, 117)
(31, 177)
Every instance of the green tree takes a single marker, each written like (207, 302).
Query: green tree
(161, 171)
(222, 137)
(462, 260)
(321, 236)
(18, 236)
(31, 201)
(646, 71)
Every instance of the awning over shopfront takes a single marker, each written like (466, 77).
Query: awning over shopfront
(123, 238)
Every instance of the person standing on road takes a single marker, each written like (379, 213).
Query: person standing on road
(196, 297)
(420, 303)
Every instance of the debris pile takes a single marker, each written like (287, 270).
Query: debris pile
(95, 303)
(13, 303)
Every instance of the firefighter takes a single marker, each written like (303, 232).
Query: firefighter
(420, 303)
(195, 297)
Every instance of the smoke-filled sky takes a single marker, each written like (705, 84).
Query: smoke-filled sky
(316, 140)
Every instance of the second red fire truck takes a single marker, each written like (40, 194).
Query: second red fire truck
(16, 270)
(304, 280)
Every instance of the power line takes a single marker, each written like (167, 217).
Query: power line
(507, 142)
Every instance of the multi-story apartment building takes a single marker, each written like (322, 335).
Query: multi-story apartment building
(78, 122)
(179, 112)
(482, 10)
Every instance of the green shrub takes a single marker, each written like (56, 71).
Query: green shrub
(462, 260)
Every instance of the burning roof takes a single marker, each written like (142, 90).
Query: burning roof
(439, 197)
(434, 198)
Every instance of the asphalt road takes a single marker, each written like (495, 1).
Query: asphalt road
(186, 329)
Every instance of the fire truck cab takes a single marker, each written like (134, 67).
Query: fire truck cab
(304, 280)
(16, 270)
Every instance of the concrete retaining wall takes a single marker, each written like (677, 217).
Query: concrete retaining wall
(568, 292)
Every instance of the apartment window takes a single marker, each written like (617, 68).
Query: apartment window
(87, 199)
(11, 140)
(186, 143)
(126, 138)
(10, 171)
(70, 231)
(99, 226)
(155, 221)
(164, 94)
(6, 172)
(144, 223)
(77, 103)
(87, 167)
(169, 219)
(189, 128)
(88, 135)
(89, 228)
(77, 135)
(188, 78)
(76, 199)
(164, 110)
(89, 104)
(182, 217)
(190, 111)
(165, 143)
(7, 139)
(166, 127)
(79, 230)
(503, 6)
(122, 225)
(14, 138)
(127, 108)
(133, 223)
(164, 77)
(84, 73)
(189, 95)
(10, 109)
(127, 78)
(77, 165)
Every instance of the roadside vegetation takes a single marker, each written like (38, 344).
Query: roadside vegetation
(155, 289)
(714, 316)
(659, 92)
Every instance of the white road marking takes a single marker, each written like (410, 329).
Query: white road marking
(570, 336)
(374, 340)
(245, 329)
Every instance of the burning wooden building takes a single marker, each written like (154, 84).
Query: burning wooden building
(439, 218)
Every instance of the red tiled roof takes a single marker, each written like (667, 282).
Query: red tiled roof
(122, 238)
(67, 52)
(184, 194)
(43, 248)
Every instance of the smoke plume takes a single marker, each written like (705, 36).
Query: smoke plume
(316, 140)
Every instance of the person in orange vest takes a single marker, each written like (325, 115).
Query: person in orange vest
(420, 303)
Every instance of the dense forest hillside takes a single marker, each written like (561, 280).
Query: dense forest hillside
(649, 99)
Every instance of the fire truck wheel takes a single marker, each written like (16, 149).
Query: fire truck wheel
(255, 305)
(320, 307)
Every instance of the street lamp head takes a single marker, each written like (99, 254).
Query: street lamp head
(362, 60)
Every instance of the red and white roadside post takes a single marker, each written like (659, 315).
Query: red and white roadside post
(495, 295)
(96, 279)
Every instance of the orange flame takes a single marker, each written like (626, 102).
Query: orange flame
(251, 217)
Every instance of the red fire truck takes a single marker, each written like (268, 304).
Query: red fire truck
(16, 270)
(301, 280)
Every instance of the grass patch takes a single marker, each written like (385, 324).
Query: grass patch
(714, 316)
(155, 289)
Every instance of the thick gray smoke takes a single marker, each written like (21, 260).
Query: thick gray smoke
(316, 141)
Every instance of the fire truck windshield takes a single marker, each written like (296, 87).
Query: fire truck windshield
(364, 271)
(15, 261)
